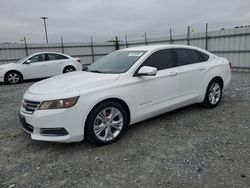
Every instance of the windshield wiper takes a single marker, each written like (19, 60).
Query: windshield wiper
(96, 71)
(85, 69)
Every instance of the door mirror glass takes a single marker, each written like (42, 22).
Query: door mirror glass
(147, 71)
(27, 62)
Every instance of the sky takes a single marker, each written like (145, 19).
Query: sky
(78, 20)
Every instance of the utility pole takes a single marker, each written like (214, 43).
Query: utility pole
(45, 28)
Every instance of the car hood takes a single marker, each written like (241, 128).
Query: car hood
(8, 65)
(71, 83)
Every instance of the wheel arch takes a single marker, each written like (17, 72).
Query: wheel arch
(14, 70)
(207, 84)
(219, 79)
(113, 99)
(68, 65)
(205, 98)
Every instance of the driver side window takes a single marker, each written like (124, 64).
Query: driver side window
(162, 59)
(38, 58)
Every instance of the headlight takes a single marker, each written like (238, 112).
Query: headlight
(57, 104)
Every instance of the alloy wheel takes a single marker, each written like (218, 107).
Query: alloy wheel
(69, 69)
(13, 78)
(108, 124)
(214, 93)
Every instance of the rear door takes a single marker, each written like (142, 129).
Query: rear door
(191, 66)
(160, 92)
(36, 68)
(56, 63)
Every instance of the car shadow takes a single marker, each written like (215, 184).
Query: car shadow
(25, 81)
(178, 112)
(130, 130)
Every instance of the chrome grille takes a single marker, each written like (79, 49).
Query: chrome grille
(30, 106)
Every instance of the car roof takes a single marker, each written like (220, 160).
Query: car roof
(158, 47)
(49, 53)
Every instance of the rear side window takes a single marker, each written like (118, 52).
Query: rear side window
(203, 56)
(187, 56)
(162, 59)
(56, 57)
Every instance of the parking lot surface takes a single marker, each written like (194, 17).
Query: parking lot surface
(189, 147)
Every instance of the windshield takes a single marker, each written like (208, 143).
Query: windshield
(21, 60)
(116, 62)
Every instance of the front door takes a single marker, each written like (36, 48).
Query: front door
(36, 68)
(159, 93)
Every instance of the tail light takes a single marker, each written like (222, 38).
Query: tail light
(78, 60)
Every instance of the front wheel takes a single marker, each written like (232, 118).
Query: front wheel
(13, 77)
(213, 94)
(106, 123)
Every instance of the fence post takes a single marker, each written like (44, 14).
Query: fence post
(26, 47)
(116, 43)
(62, 45)
(126, 40)
(170, 36)
(92, 50)
(206, 41)
(145, 38)
(188, 32)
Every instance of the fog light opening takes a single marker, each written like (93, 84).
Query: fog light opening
(53, 132)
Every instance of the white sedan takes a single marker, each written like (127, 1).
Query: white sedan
(38, 65)
(120, 89)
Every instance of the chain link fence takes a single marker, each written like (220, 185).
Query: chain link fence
(233, 44)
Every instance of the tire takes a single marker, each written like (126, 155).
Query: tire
(68, 69)
(213, 94)
(13, 77)
(102, 128)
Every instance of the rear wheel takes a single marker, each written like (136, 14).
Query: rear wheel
(13, 77)
(213, 94)
(69, 69)
(106, 123)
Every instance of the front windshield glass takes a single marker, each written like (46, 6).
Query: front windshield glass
(116, 62)
(21, 60)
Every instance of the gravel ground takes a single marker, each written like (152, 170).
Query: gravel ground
(190, 147)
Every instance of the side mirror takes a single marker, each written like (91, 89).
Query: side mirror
(27, 62)
(147, 71)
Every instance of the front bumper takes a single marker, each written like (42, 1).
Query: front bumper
(60, 125)
(2, 73)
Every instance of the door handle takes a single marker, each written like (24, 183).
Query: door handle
(173, 73)
(202, 68)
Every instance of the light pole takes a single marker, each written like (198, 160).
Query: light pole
(45, 28)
